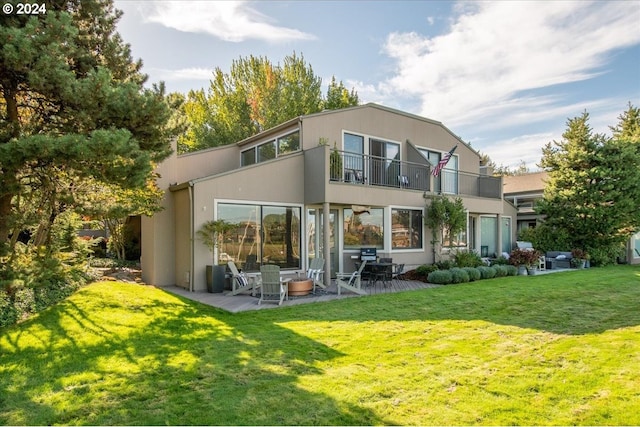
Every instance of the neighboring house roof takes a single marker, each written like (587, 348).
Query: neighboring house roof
(527, 183)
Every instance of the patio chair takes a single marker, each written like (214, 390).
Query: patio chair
(398, 273)
(272, 286)
(351, 282)
(316, 272)
(239, 281)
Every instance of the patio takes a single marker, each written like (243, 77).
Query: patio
(246, 302)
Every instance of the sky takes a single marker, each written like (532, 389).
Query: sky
(504, 76)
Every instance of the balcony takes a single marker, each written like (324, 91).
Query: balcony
(362, 169)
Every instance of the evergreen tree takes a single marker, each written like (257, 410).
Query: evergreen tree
(593, 193)
(73, 108)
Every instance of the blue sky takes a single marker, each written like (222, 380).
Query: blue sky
(504, 76)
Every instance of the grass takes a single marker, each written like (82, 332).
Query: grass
(556, 349)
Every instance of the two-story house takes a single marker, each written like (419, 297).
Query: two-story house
(322, 185)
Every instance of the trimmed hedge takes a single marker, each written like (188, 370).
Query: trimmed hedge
(487, 272)
(474, 273)
(501, 270)
(440, 277)
(512, 270)
(459, 275)
(425, 269)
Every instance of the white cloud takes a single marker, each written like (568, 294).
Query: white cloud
(528, 148)
(512, 151)
(495, 54)
(232, 21)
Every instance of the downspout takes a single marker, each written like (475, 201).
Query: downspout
(191, 239)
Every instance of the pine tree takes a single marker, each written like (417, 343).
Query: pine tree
(593, 193)
(73, 107)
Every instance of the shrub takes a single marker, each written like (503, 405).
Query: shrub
(424, 270)
(43, 282)
(467, 259)
(500, 261)
(111, 263)
(459, 275)
(445, 264)
(440, 277)
(474, 273)
(501, 270)
(524, 257)
(487, 272)
(511, 270)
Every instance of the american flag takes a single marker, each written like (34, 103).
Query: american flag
(443, 162)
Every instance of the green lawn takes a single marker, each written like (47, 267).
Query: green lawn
(556, 349)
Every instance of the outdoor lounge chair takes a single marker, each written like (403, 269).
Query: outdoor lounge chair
(316, 272)
(351, 282)
(272, 286)
(239, 281)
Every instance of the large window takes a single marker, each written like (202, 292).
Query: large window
(354, 154)
(636, 245)
(385, 162)
(363, 228)
(488, 236)
(278, 147)
(262, 235)
(406, 229)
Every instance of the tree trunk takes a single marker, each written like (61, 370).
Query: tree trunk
(8, 181)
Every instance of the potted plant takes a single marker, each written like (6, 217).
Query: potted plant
(211, 233)
(525, 259)
(579, 258)
(519, 258)
(335, 162)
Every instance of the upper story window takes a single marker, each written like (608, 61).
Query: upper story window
(447, 181)
(280, 146)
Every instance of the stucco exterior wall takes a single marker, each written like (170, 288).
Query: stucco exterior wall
(276, 181)
(389, 125)
(183, 238)
(206, 162)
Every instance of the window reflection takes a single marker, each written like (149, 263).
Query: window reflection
(262, 235)
(406, 229)
(363, 228)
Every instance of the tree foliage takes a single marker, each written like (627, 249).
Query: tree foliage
(592, 197)
(445, 215)
(255, 95)
(73, 109)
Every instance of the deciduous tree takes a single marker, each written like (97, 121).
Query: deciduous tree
(255, 95)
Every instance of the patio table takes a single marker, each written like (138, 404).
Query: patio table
(380, 269)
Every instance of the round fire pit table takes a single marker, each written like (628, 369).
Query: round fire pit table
(300, 287)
